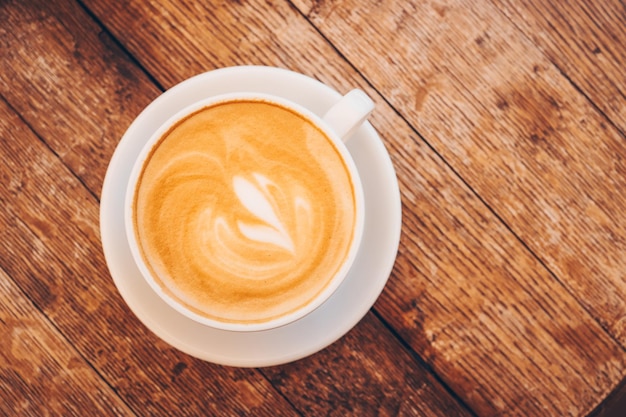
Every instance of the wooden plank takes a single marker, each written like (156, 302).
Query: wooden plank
(333, 383)
(53, 65)
(176, 40)
(481, 310)
(512, 126)
(462, 79)
(515, 130)
(466, 294)
(148, 374)
(40, 372)
(585, 40)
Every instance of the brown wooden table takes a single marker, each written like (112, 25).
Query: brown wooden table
(505, 122)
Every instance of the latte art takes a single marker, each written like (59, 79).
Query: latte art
(245, 211)
(256, 200)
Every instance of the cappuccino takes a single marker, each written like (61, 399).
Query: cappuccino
(244, 211)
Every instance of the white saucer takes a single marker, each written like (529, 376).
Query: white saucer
(342, 311)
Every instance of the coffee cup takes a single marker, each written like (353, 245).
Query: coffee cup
(245, 211)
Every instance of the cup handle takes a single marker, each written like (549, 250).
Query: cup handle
(349, 113)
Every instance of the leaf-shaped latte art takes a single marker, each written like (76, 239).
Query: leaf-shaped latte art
(256, 199)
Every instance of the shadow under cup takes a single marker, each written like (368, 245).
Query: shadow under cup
(244, 212)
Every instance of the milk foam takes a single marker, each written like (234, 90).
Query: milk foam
(255, 196)
(245, 212)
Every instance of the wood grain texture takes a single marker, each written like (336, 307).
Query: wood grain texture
(585, 40)
(535, 150)
(512, 126)
(40, 372)
(507, 122)
(471, 300)
(57, 62)
(466, 293)
(178, 39)
(394, 385)
(52, 248)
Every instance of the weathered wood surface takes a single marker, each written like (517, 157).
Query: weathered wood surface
(50, 247)
(585, 41)
(509, 292)
(512, 126)
(40, 369)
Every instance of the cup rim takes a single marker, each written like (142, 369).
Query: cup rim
(283, 320)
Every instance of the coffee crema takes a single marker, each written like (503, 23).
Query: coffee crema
(244, 211)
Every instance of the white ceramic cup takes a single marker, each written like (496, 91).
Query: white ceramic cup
(338, 124)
